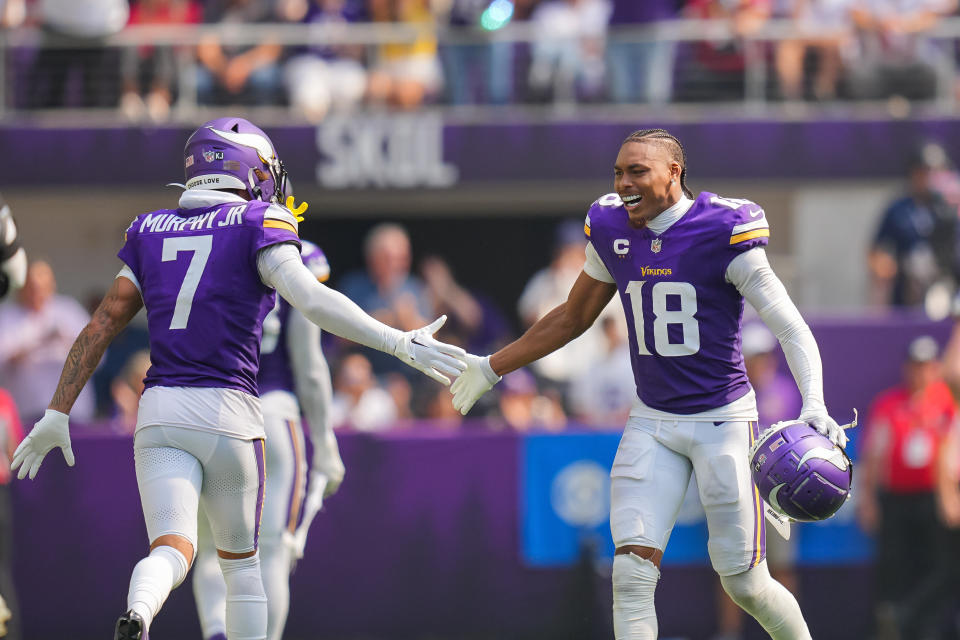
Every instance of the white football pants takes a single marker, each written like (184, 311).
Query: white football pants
(286, 467)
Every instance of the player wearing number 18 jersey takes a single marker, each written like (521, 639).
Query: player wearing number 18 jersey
(682, 267)
(206, 272)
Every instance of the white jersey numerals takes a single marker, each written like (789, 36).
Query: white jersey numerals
(610, 200)
(729, 203)
(663, 318)
(200, 246)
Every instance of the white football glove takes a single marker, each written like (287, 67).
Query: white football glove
(473, 383)
(822, 422)
(327, 463)
(421, 351)
(52, 430)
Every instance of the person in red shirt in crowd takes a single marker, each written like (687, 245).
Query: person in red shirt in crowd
(906, 430)
(11, 433)
(716, 71)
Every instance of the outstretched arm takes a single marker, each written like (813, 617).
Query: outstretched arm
(282, 268)
(564, 323)
(586, 300)
(118, 307)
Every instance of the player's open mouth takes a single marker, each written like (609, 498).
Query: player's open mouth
(631, 201)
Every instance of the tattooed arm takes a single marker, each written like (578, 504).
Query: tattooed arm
(118, 307)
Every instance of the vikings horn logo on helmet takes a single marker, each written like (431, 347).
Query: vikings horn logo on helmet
(799, 472)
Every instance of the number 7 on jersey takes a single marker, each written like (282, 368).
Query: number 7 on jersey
(200, 246)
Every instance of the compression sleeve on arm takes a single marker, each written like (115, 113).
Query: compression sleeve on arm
(751, 274)
(311, 376)
(282, 268)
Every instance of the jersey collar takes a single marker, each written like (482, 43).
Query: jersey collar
(200, 198)
(666, 219)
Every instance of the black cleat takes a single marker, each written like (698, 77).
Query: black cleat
(130, 627)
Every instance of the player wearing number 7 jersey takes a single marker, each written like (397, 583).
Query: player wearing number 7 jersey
(206, 273)
(682, 267)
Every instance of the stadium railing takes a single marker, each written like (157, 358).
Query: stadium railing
(758, 79)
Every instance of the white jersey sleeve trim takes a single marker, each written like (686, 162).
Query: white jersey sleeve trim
(127, 272)
(594, 267)
(751, 274)
(276, 212)
(282, 268)
(750, 226)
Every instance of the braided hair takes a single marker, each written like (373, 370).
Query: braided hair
(667, 139)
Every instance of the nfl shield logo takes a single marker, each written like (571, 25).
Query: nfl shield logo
(655, 245)
(208, 156)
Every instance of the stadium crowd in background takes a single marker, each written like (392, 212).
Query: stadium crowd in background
(582, 51)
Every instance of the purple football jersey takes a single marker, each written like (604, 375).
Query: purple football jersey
(200, 284)
(683, 317)
(275, 372)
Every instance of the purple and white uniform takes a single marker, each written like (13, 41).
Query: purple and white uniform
(293, 379)
(199, 426)
(680, 280)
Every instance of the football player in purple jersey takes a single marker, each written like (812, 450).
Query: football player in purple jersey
(293, 378)
(206, 272)
(682, 266)
(13, 259)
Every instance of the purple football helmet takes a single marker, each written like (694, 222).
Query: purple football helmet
(799, 472)
(225, 154)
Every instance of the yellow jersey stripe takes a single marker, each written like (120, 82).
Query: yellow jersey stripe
(280, 224)
(750, 235)
(586, 229)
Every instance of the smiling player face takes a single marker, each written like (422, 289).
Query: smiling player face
(642, 178)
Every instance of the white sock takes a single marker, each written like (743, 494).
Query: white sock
(275, 569)
(775, 608)
(634, 583)
(210, 594)
(153, 579)
(246, 600)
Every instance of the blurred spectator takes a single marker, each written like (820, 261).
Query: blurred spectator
(401, 391)
(825, 28)
(603, 394)
(524, 408)
(894, 58)
(387, 290)
(229, 73)
(323, 78)
(479, 71)
(36, 333)
(913, 260)
(438, 409)
(547, 289)
(359, 402)
(149, 72)
(13, 13)
(126, 390)
(717, 70)
(640, 70)
(905, 431)
(74, 32)
(473, 320)
(777, 399)
(405, 75)
(11, 433)
(568, 49)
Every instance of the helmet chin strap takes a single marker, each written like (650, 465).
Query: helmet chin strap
(255, 190)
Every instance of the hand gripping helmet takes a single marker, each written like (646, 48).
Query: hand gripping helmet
(799, 472)
(227, 153)
(13, 260)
